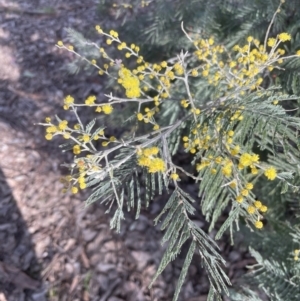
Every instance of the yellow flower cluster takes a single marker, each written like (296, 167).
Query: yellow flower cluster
(52, 129)
(225, 165)
(237, 116)
(90, 100)
(146, 158)
(76, 149)
(174, 176)
(243, 70)
(254, 207)
(148, 117)
(130, 82)
(69, 100)
(271, 173)
(283, 37)
(63, 125)
(107, 109)
(84, 165)
(236, 74)
(247, 159)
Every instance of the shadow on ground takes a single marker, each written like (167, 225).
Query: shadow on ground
(19, 269)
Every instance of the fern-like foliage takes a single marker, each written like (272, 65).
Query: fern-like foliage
(179, 228)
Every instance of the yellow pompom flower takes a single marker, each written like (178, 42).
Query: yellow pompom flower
(82, 185)
(251, 209)
(263, 208)
(271, 42)
(150, 151)
(233, 184)
(164, 64)
(258, 204)
(81, 180)
(107, 109)
(174, 176)
(63, 125)
(51, 129)
(230, 133)
(246, 159)
(239, 198)
(271, 173)
(76, 149)
(67, 135)
(157, 165)
(69, 100)
(90, 100)
(218, 160)
(74, 190)
(49, 136)
(86, 138)
(254, 170)
(227, 170)
(98, 28)
(194, 72)
(244, 192)
(205, 73)
(249, 186)
(258, 224)
(235, 150)
(283, 37)
(249, 39)
(140, 116)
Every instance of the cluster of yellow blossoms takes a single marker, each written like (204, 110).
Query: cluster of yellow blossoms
(77, 134)
(242, 72)
(228, 165)
(130, 82)
(147, 158)
(235, 75)
(77, 181)
(90, 101)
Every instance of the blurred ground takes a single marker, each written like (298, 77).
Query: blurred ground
(51, 248)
